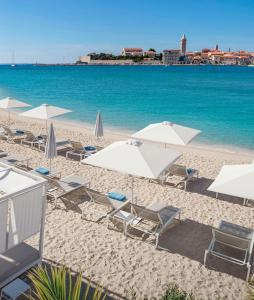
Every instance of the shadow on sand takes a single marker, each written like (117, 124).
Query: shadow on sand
(190, 239)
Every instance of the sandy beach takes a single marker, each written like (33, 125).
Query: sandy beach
(120, 264)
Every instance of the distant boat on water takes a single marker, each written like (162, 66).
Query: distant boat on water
(13, 60)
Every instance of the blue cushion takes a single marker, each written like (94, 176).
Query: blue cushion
(189, 171)
(90, 148)
(20, 132)
(116, 196)
(42, 170)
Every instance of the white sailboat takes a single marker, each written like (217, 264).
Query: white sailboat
(13, 60)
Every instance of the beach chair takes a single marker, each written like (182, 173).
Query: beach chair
(152, 220)
(59, 188)
(186, 174)
(15, 160)
(30, 139)
(61, 145)
(80, 151)
(231, 236)
(46, 173)
(12, 135)
(99, 200)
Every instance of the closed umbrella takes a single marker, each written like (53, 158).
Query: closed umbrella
(235, 180)
(10, 103)
(167, 133)
(134, 158)
(98, 128)
(45, 112)
(50, 150)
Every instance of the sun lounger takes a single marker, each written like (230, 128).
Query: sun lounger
(185, 174)
(12, 135)
(231, 236)
(152, 220)
(80, 151)
(97, 200)
(15, 160)
(30, 139)
(61, 145)
(59, 188)
(46, 173)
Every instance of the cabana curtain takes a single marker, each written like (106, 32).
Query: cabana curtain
(24, 217)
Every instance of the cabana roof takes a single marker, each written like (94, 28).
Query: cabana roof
(12, 181)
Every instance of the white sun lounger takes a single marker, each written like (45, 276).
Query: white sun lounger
(99, 199)
(59, 188)
(185, 174)
(153, 220)
(235, 237)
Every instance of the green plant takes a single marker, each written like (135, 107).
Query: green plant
(174, 293)
(251, 291)
(56, 283)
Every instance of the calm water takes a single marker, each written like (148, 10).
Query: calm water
(217, 100)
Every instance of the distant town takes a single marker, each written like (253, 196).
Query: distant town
(132, 56)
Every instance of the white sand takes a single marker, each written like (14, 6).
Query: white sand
(120, 264)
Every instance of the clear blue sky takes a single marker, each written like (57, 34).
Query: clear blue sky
(61, 30)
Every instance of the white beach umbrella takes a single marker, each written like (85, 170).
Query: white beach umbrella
(45, 112)
(10, 103)
(98, 128)
(167, 133)
(50, 150)
(134, 158)
(235, 180)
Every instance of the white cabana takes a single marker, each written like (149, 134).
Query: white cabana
(167, 133)
(11, 103)
(134, 158)
(22, 214)
(45, 112)
(235, 180)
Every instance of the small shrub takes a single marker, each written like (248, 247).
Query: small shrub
(56, 283)
(174, 293)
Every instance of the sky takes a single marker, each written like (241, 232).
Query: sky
(57, 31)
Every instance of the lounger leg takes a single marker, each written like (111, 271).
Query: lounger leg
(157, 242)
(248, 272)
(205, 257)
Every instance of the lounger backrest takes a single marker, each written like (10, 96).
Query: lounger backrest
(29, 136)
(146, 213)
(98, 197)
(8, 130)
(77, 145)
(231, 240)
(178, 170)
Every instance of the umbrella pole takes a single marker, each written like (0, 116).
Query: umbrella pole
(132, 189)
(46, 127)
(50, 164)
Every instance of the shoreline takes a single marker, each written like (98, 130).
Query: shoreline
(114, 132)
(124, 133)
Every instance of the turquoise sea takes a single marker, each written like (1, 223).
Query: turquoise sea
(216, 99)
